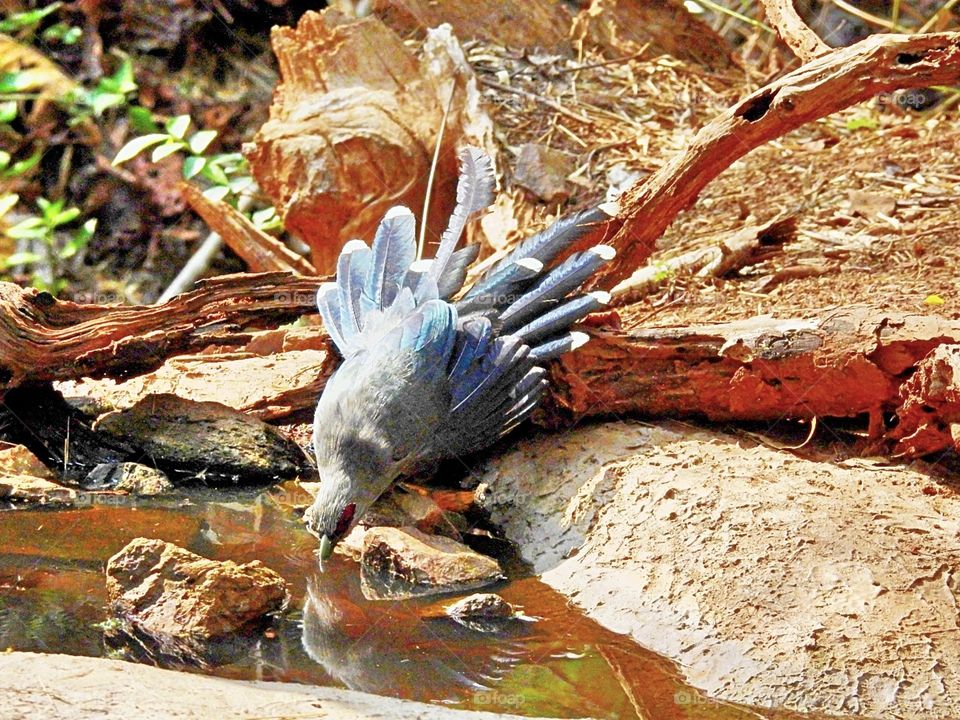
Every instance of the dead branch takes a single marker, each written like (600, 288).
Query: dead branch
(260, 251)
(42, 338)
(791, 28)
(748, 246)
(832, 82)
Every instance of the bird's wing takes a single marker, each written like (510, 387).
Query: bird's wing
(516, 319)
(377, 288)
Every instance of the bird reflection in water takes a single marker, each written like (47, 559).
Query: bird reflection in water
(404, 649)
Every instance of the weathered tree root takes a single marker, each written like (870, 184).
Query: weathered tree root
(846, 363)
(42, 338)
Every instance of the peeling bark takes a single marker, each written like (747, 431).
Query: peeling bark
(353, 127)
(847, 363)
(42, 338)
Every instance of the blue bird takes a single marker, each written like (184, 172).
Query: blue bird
(425, 377)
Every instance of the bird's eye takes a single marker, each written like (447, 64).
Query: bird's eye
(344, 522)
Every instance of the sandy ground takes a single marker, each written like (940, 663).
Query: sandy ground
(61, 687)
(815, 583)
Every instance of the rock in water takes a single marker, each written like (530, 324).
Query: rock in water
(483, 612)
(166, 591)
(206, 438)
(400, 563)
(129, 477)
(26, 482)
(485, 606)
(399, 508)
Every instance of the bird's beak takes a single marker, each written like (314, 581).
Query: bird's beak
(326, 549)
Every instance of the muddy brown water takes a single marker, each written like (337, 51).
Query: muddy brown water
(52, 599)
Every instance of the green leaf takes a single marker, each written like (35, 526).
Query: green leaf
(30, 228)
(8, 111)
(22, 258)
(200, 140)
(260, 217)
(230, 162)
(101, 101)
(192, 165)
(138, 145)
(177, 126)
(22, 166)
(31, 18)
(165, 150)
(65, 216)
(217, 192)
(123, 77)
(266, 219)
(79, 240)
(239, 184)
(862, 122)
(7, 203)
(141, 120)
(4, 159)
(62, 33)
(215, 174)
(15, 81)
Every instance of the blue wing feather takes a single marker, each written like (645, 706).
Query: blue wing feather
(394, 250)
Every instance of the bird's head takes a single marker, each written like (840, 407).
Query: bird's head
(351, 479)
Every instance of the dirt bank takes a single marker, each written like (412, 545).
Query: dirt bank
(770, 579)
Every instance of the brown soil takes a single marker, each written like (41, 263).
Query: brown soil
(854, 255)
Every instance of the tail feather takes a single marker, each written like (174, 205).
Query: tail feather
(394, 249)
(506, 284)
(547, 244)
(474, 193)
(474, 341)
(557, 347)
(328, 302)
(456, 271)
(563, 279)
(352, 270)
(563, 316)
(506, 277)
(506, 353)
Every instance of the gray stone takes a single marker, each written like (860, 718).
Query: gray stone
(771, 579)
(483, 612)
(84, 688)
(399, 563)
(129, 477)
(217, 443)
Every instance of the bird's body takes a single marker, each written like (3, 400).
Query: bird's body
(425, 377)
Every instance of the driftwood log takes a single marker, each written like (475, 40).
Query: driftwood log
(845, 363)
(42, 338)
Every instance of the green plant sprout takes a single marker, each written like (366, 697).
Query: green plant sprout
(10, 169)
(42, 232)
(227, 173)
(28, 20)
(110, 91)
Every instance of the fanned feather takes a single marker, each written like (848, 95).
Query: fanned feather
(474, 193)
(394, 249)
(352, 270)
(328, 302)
